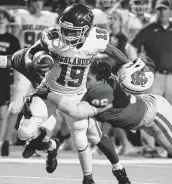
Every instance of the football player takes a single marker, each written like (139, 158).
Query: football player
(152, 113)
(28, 26)
(73, 43)
(34, 72)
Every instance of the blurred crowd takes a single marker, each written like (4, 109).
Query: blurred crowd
(136, 27)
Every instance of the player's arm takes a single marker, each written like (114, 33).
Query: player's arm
(102, 40)
(14, 60)
(79, 111)
(116, 54)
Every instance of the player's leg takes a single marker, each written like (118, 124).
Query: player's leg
(38, 130)
(104, 143)
(29, 129)
(50, 144)
(63, 134)
(78, 130)
(161, 127)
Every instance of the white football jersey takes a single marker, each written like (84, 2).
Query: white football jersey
(32, 25)
(69, 74)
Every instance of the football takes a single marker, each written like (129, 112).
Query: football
(43, 58)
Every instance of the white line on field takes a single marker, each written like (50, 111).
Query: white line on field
(66, 179)
(95, 161)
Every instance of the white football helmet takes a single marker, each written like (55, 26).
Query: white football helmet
(137, 77)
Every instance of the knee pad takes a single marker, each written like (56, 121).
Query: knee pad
(94, 138)
(80, 140)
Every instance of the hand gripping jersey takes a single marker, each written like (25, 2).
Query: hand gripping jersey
(69, 73)
(32, 25)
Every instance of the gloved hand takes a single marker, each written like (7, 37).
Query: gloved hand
(26, 106)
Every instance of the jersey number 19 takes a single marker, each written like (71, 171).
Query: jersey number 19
(75, 73)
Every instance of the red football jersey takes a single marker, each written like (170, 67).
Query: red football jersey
(100, 95)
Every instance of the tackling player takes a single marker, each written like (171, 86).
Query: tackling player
(73, 43)
(33, 72)
(152, 113)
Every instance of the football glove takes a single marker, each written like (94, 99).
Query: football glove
(26, 111)
(42, 92)
(137, 76)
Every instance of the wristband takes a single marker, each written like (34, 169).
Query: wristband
(3, 61)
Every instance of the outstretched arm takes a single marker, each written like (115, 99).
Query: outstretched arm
(116, 54)
(81, 110)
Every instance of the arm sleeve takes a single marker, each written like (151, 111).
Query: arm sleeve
(13, 61)
(17, 59)
(116, 54)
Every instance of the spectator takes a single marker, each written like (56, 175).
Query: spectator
(155, 41)
(118, 38)
(8, 45)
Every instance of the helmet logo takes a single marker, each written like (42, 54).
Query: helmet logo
(139, 78)
(88, 16)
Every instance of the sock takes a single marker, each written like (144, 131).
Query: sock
(47, 144)
(107, 147)
(85, 157)
(52, 145)
(117, 166)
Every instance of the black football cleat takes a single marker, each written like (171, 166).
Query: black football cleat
(121, 176)
(88, 179)
(32, 144)
(5, 148)
(51, 161)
